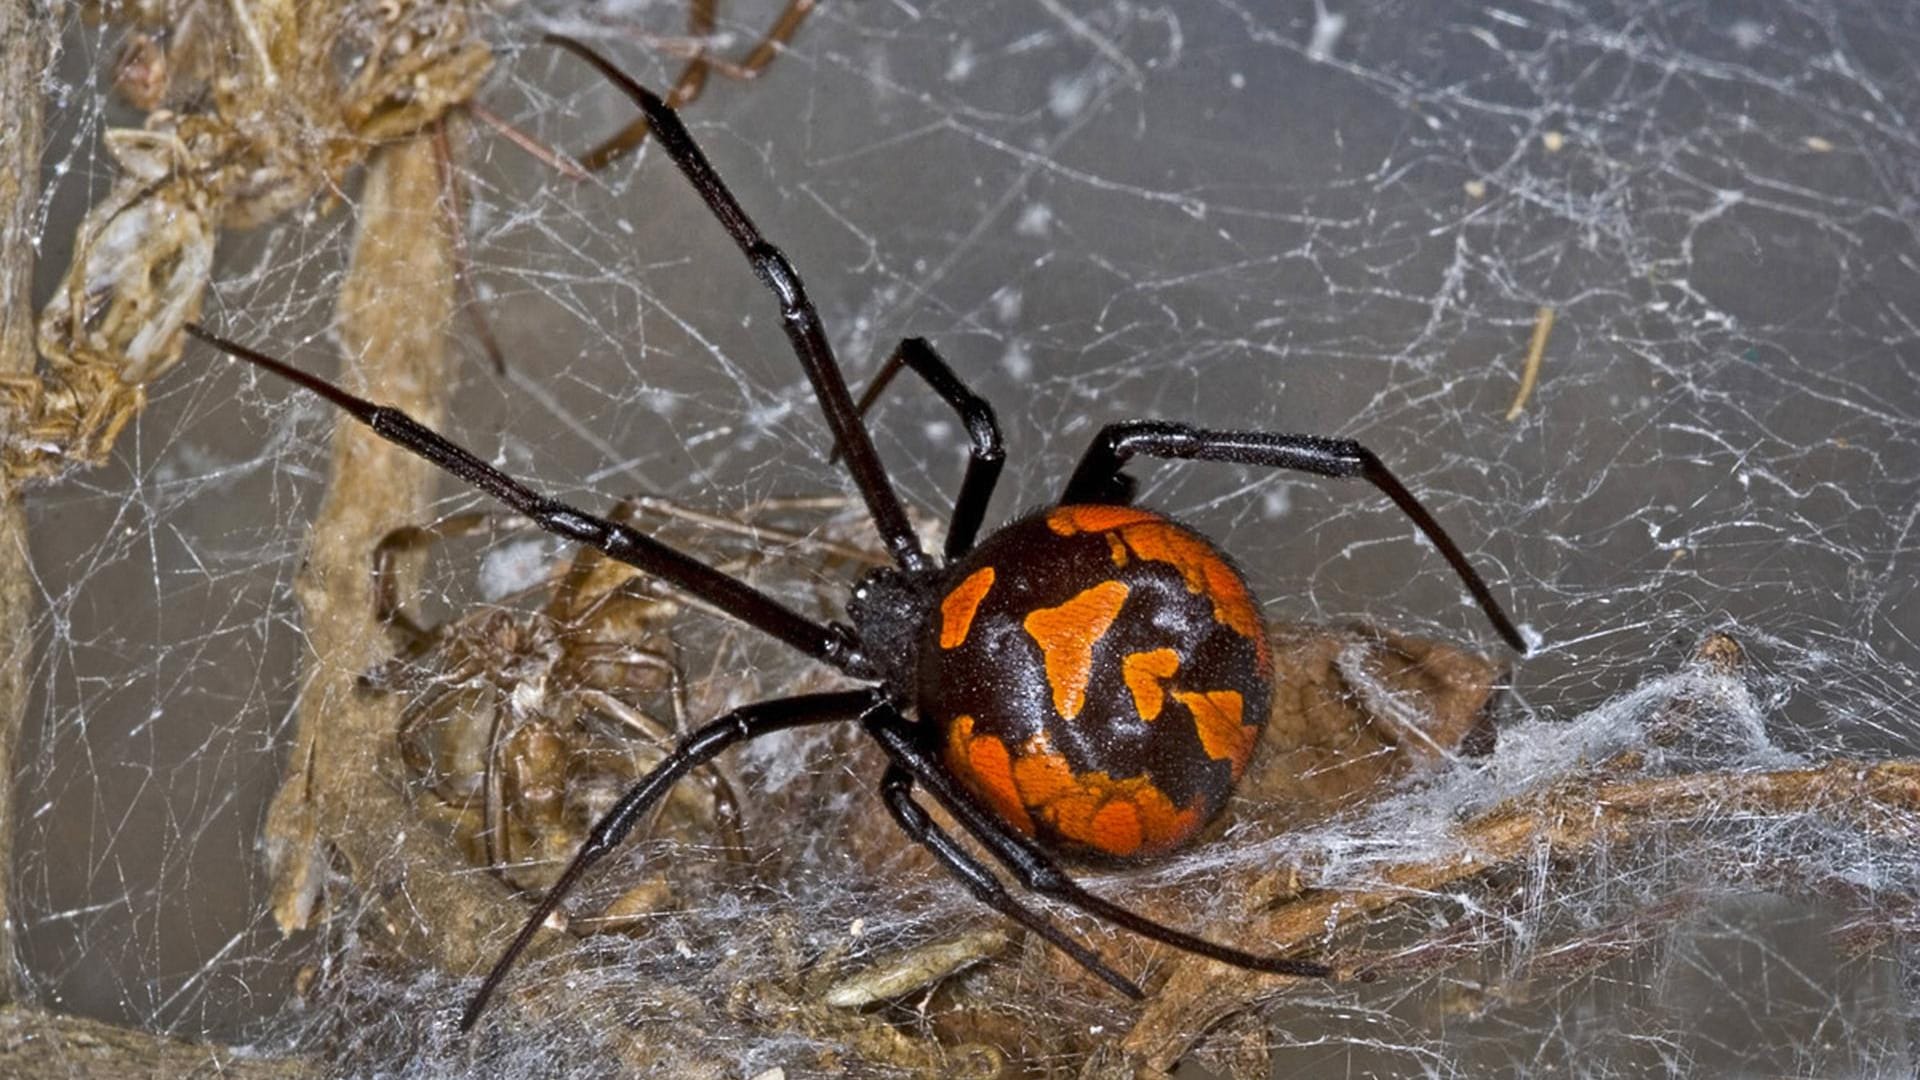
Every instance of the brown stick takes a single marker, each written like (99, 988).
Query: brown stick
(34, 1043)
(25, 34)
(341, 798)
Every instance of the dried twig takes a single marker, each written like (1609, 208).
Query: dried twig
(34, 1043)
(342, 798)
(264, 125)
(25, 35)
(1536, 352)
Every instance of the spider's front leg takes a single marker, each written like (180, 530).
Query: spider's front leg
(830, 644)
(744, 724)
(1100, 479)
(693, 76)
(798, 316)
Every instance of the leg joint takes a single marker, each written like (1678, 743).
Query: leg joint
(773, 267)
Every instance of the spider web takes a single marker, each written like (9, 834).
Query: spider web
(1332, 219)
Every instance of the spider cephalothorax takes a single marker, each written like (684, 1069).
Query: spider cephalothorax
(888, 607)
(1089, 679)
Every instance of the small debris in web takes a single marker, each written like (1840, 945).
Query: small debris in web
(1536, 351)
(915, 969)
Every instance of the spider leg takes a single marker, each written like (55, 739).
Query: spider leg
(1099, 479)
(797, 314)
(418, 760)
(453, 203)
(726, 804)
(1037, 872)
(741, 725)
(832, 644)
(493, 786)
(567, 605)
(896, 789)
(693, 76)
(411, 539)
(986, 453)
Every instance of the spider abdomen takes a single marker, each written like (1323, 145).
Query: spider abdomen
(1100, 676)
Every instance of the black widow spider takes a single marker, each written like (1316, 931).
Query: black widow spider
(1089, 680)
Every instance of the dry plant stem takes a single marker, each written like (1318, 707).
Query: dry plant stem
(341, 804)
(1564, 821)
(264, 123)
(25, 34)
(916, 969)
(1536, 351)
(34, 1043)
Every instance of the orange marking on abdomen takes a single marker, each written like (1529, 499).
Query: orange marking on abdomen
(1216, 716)
(1124, 818)
(1066, 636)
(1042, 775)
(1204, 571)
(1154, 538)
(983, 762)
(1116, 828)
(1165, 825)
(1072, 817)
(1143, 672)
(1068, 520)
(956, 611)
(1121, 817)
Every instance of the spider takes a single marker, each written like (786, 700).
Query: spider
(522, 727)
(1086, 682)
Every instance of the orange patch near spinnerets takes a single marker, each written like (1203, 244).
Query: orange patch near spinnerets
(1216, 716)
(1155, 539)
(1143, 672)
(1125, 818)
(1066, 636)
(956, 611)
(984, 763)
